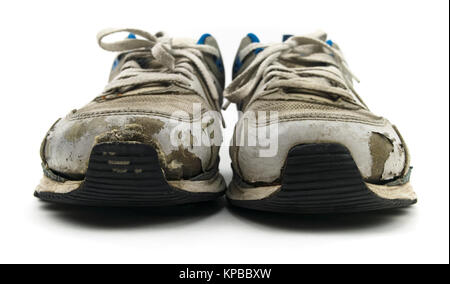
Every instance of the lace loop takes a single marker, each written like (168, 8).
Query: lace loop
(125, 44)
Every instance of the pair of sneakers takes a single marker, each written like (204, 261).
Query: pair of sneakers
(305, 142)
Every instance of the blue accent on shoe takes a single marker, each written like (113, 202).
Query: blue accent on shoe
(330, 42)
(237, 61)
(254, 38)
(131, 36)
(203, 38)
(219, 64)
(217, 60)
(115, 63)
(236, 66)
(286, 37)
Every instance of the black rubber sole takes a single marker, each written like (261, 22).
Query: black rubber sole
(322, 178)
(125, 175)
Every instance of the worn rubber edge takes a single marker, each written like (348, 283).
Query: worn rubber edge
(132, 177)
(320, 179)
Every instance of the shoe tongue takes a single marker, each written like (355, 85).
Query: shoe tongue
(241, 63)
(216, 64)
(286, 37)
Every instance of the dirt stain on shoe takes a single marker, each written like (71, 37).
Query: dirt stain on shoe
(182, 164)
(150, 126)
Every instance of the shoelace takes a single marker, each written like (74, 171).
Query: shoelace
(165, 51)
(266, 69)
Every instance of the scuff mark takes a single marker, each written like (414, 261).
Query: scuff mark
(121, 163)
(381, 148)
(79, 129)
(120, 171)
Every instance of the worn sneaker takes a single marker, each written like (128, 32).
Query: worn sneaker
(151, 138)
(306, 142)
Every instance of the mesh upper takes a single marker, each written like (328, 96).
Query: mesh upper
(291, 107)
(165, 105)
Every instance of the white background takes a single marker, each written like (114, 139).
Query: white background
(50, 64)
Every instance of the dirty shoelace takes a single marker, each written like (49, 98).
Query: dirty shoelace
(327, 64)
(177, 58)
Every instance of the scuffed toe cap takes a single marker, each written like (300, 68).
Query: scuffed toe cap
(377, 149)
(67, 147)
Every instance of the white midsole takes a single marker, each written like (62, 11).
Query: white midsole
(237, 191)
(49, 185)
(404, 191)
(213, 185)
